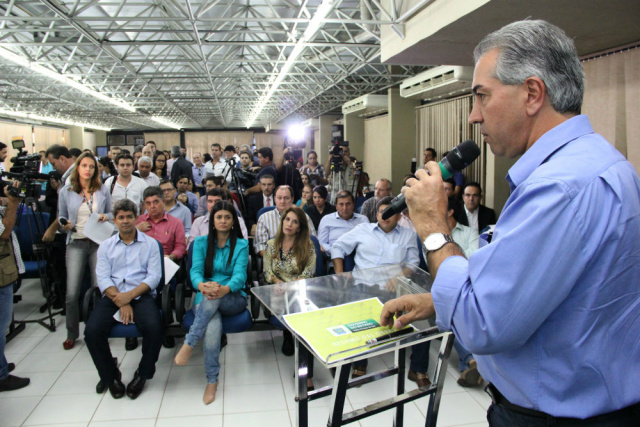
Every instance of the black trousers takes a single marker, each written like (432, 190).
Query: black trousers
(96, 335)
(503, 413)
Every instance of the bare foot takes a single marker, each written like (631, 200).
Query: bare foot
(183, 355)
(210, 393)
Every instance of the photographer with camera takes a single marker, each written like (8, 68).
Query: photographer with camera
(288, 173)
(3, 156)
(12, 266)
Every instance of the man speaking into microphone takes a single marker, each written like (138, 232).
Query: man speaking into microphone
(551, 307)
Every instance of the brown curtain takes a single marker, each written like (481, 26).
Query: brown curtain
(611, 100)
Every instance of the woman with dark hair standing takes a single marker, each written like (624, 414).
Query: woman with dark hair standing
(218, 273)
(160, 165)
(106, 168)
(320, 207)
(291, 256)
(84, 196)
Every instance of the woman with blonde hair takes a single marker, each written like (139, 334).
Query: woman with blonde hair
(84, 196)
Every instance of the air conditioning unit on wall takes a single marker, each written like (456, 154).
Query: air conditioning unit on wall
(367, 105)
(441, 82)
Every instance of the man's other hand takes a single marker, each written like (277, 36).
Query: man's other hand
(417, 307)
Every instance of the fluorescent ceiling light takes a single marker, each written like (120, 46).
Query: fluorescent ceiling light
(166, 123)
(17, 59)
(51, 119)
(314, 26)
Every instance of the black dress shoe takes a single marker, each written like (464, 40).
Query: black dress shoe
(131, 344)
(116, 388)
(223, 341)
(287, 344)
(169, 342)
(135, 386)
(101, 386)
(11, 366)
(13, 383)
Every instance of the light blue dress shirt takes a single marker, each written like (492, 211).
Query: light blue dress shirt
(234, 276)
(550, 308)
(333, 226)
(127, 266)
(183, 213)
(374, 247)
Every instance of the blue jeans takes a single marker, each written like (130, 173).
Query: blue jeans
(228, 305)
(465, 356)
(6, 310)
(80, 252)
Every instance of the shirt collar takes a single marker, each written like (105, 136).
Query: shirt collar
(164, 218)
(395, 230)
(337, 216)
(138, 238)
(546, 146)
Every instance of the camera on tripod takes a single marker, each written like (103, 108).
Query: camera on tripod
(337, 152)
(26, 171)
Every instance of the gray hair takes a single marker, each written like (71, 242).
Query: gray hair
(175, 151)
(145, 159)
(125, 205)
(538, 48)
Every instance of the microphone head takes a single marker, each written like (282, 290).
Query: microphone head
(463, 155)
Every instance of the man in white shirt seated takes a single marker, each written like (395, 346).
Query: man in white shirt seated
(269, 221)
(200, 226)
(144, 170)
(383, 243)
(335, 225)
(174, 207)
(126, 185)
(129, 271)
(466, 237)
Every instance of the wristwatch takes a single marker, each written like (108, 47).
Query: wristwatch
(436, 241)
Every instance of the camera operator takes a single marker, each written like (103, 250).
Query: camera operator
(288, 173)
(12, 266)
(3, 156)
(340, 160)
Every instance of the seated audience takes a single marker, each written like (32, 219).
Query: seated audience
(382, 189)
(210, 182)
(165, 228)
(125, 185)
(474, 214)
(334, 226)
(305, 179)
(174, 207)
(270, 221)
(380, 244)
(218, 272)
(144, 171)
(290, 256)
(320, 207)
(465, 237)
(255, 202)
(198, 174)
(160, 165)
(307, 197)
(129, 271)
(76, 202)
(182, 187)
(200, 226)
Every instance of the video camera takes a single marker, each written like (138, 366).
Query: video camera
(337, 152)
(25, 170)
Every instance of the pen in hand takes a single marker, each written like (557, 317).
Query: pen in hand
(390, 335)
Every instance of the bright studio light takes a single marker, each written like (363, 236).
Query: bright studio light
(296, 133)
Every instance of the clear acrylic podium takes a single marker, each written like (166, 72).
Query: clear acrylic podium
(385, 283)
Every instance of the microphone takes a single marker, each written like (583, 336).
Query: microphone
(63, 221)
(413, 165)
(457, 159)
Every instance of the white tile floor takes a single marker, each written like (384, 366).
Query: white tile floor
(256, 386)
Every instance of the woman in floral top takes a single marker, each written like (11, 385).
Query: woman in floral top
(291, 256)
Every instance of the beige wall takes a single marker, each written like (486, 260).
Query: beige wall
(163, 140)
(402, 136)
(377, 149)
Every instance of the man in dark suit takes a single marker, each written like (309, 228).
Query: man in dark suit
(181, 167)
(474, 214)
(255, 202)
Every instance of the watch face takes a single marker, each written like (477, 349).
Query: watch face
(435, 241)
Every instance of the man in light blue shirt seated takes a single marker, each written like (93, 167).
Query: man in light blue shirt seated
(129, 271)
(383, 243)
(550, 307)
(335, 225)
(174, 207)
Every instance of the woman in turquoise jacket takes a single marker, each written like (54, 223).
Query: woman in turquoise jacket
(218, 273)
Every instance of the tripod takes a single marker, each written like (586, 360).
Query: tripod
(33, 247)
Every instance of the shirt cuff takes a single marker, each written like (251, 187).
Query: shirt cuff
(453, 275)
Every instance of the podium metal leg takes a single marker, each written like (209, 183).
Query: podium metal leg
(302, 372)
(339, 395)
(439, 375)
(400, 356)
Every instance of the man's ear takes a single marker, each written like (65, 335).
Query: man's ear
(536, 95)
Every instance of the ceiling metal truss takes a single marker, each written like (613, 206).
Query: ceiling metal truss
(193, 63)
